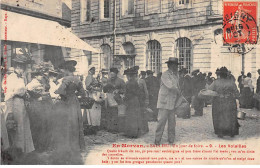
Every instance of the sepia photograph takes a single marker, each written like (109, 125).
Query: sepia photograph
(130, 82)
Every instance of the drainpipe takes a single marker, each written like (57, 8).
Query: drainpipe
(114, 34)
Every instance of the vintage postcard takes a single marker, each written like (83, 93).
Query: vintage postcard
(130, 82)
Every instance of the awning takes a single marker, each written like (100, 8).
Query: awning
(29, 29)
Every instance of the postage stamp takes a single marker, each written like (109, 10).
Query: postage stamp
(240, 22)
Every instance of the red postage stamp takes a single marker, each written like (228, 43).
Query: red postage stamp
(240, 22)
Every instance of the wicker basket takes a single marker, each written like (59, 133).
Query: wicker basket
(86, 102)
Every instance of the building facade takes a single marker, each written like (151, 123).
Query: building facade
(147, 32)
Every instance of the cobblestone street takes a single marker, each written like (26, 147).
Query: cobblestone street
(196, 130)
(193, 130)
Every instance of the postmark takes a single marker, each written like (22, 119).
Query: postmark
(240, 23)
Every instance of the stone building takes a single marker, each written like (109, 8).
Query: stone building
(147, 32)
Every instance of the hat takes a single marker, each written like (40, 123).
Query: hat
(133, 70)
(115, 70)
(104, 71)
(195, 71)
(92, 69)
(68, 63)
(223, 70)
(143, 73)
(173, 60)
(149, 72)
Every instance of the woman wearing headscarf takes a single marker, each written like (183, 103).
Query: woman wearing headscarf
(133, 122)
(40, 108)
(247, 92)
(224, 107)
(68, 127)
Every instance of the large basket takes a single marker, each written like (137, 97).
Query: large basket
(205, 94)
(86, 102)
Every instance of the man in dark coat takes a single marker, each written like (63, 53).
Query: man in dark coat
(198, 84)
(185, 82)
(153, 87)
(240, 81)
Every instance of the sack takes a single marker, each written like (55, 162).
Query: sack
(111, 100)
(182, 108)
(86, 102)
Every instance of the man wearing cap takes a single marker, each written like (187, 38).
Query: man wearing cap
(168, 94)
(15, 103)
(153, 87)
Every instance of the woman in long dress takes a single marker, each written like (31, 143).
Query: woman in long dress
(133, 125)
(40, 111)
(247, 92)
(15, 105)
(224, 107)
(68, 134)
(144, 101)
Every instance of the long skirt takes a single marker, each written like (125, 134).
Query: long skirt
(153, 106)
(133, 126)
(112, 119)
(4, 135)
(40, 114)
(224, 115)
(95, 115)
(68, 137)
(22, 137)
(198, 106)
(246, 100)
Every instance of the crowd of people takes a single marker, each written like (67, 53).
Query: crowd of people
(45, 114)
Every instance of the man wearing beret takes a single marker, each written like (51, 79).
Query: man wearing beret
(168, 94)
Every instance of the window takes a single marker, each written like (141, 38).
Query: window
(127, 7)
(105, 56)
(183, 51)
(152, 6)
(104, 7)
(153, 56)
(129, 49)
(85, 10)
(183, 3)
